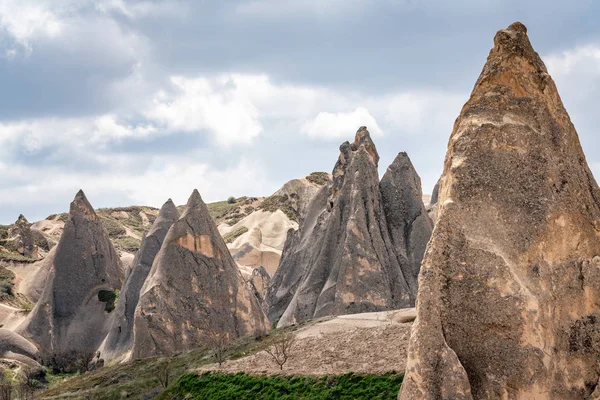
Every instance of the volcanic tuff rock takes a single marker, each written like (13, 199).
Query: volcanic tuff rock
(120, 336)
(23, 239)
(194, 290)
(343, 260)
(407, 220)
(69, 314)
(508, 303)
(257, 239)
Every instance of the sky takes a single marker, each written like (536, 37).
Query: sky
(138, 101)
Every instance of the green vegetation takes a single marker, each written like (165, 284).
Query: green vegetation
(231, 200)
(319, 178)
(283, 202)
(109, 297)
(4, 231)
(15, 257)
(231, 236)
(219, 210)
(241, 386)
(127, 243)
(7, 278)
(113, 227)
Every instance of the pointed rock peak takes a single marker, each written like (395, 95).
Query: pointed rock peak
(195, 199)
(402, 160)
(82, 207)
(363, 139)
(21, 220)
(169, 210)
(513, 41)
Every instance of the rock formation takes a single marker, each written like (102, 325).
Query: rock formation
(257, 239)
(194, 290)
(120, 336)
(508, 303)
(343, 259)
(71, 314)
(407, 220)
(23, 239)
(259, 282)
(433, 202)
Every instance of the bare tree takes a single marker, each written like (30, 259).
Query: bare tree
(280, 348)
(164, 374)
(218, 342)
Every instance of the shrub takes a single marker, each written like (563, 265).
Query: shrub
(68, 361)
(319, 178)
(109, 297)
(236, 233)
(231, 200)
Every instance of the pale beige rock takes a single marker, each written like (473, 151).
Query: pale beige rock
(509, 290)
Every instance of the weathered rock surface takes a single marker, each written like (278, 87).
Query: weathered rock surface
(407, 220)
(69, 314)
(508, 303)
(262, 233)
(12, 343)
(194, 290)
(120, 336)
(433, 203)
(23, 239)
(343, 258)
(259, 282)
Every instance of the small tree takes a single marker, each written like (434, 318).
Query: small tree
(164, 374)
(280, 348)
(231, 200)
(218, 342)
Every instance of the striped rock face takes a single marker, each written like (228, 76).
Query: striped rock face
(509, 289)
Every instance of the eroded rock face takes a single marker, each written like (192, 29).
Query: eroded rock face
(120, 336)
(508, 303)
(343, 259)
(407, 220)
(23, 238)
(70, 314)
(194, 290)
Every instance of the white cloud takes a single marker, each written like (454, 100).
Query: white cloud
(583, 59)
(414, 112)
(216, 105)
(173, 177)
(330, 126)
(26, 20)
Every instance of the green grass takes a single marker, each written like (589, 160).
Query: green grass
(231, 236)
(241, 386)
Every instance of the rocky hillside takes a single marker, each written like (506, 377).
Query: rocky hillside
(374, 343)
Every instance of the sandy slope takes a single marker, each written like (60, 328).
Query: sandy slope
(360, 343)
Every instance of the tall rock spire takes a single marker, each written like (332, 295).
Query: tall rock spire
(407, 220)
(194, 290)
(343, 260)
(72, 312)
(120, 336)
(509, 295)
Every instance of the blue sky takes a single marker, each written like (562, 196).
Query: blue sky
(138, 101)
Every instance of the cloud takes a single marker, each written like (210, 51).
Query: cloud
(174, 177)
(330, 126)
(25, 21)
(216, 105)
